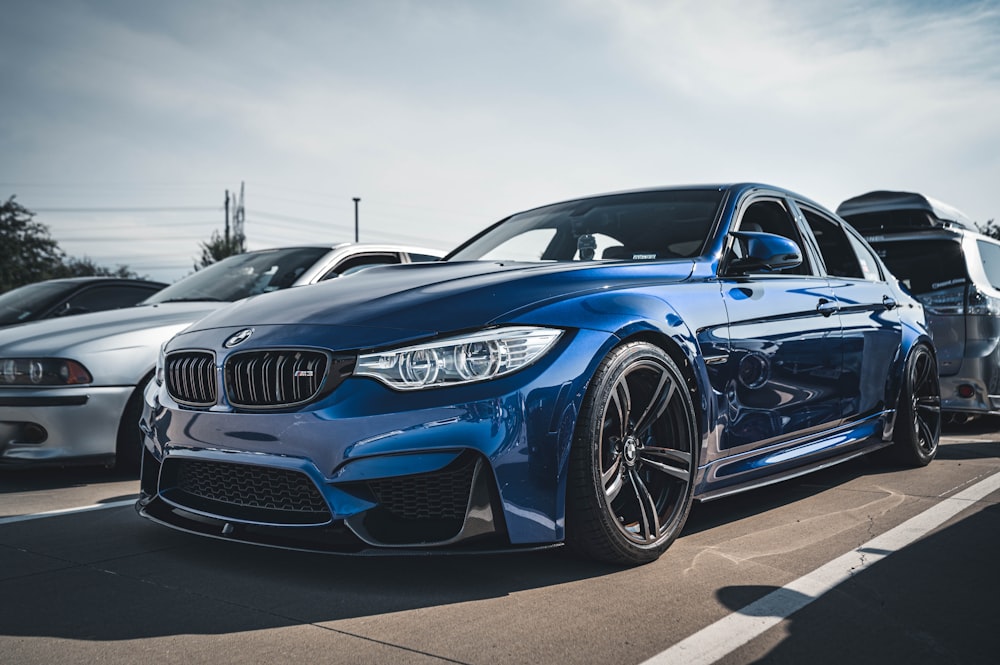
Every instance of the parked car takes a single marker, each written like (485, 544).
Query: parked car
(73, 394)
(72, 295)
(577, 373)
(955, 272)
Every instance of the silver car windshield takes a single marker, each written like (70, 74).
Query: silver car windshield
(637, 226)
(242, 276)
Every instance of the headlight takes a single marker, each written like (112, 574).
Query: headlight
(42, 372)
(456, 360)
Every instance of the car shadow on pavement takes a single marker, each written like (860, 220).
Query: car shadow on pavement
(928, 604)
(111, 576)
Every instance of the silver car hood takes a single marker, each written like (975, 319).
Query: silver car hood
(116, 346)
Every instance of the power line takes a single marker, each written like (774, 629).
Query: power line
(142, 209)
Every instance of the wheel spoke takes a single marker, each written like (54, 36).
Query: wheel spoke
(659, 399)
(612, 479)
(925, 435)
(930, 405)
(647, 507)
(674, 463)
(622, 400)
(923, 376)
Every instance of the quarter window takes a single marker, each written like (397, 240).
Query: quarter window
(361, 262)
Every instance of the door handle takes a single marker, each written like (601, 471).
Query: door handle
(889, 302)
(826, 307)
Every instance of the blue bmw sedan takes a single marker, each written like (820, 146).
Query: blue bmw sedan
(576, 374)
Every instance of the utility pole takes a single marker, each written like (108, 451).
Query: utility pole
(356, 201)
(227, 218)
(238, 216)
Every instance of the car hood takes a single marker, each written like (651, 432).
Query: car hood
(408, 301)
(130, 327)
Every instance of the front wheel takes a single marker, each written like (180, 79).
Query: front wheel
(918, 419)
(633, 458)
(128, 447)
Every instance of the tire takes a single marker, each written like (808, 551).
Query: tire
(128, 448)
(633, 458)
(917, 430)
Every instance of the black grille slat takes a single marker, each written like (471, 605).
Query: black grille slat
(245, 492)
(190, 378)
(275, 378)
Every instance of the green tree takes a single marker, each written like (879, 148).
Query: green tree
(990, 228)
(219, 248)
(29, 253)
(85, 267)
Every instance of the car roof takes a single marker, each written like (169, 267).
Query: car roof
(102, 279)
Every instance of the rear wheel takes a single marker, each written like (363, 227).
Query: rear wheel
(633, 458)
(918, 419)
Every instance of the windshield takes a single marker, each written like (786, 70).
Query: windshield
(639, 226)
(23, 302)
(242, 276)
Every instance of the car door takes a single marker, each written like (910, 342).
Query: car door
(785, 361)
(872, 331)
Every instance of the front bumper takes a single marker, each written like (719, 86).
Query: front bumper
(60, 425)
(481, 467)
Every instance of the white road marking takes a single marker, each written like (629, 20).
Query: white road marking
(66, 511)
(724, 636)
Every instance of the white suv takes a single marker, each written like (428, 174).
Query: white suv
(939, 255)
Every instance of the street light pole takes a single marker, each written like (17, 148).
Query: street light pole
(356, 201)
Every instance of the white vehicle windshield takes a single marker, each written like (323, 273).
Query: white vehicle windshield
(243, 275)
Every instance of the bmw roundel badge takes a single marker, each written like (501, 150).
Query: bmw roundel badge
(238, 338)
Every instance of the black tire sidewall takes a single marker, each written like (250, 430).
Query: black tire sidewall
(590, 526)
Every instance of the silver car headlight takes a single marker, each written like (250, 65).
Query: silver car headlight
(42, 372)
(458, 360)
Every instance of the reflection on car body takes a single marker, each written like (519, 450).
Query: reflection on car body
(72, 394)
(576, 373)
(955, 272)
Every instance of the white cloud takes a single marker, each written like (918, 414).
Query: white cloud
(444, 116)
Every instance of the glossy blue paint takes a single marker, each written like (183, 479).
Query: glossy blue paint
(788, 371)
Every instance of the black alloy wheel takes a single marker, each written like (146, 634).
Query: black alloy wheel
(633, 458)
(917, 431)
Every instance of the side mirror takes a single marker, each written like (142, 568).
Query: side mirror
(762, 252)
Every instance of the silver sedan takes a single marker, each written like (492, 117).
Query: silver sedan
(71, 389)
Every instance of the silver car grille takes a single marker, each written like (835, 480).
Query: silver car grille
(275, 378)
(190, 378)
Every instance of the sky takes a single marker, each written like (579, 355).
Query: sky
(124, 123)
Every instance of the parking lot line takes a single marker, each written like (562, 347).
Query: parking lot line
(733, 631)
(66, 511)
